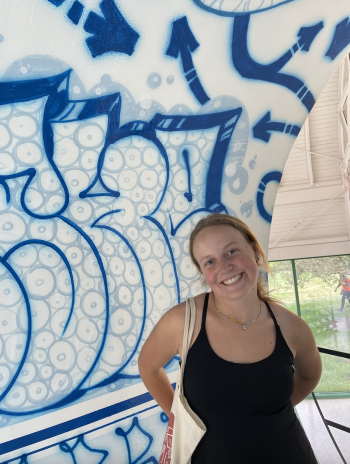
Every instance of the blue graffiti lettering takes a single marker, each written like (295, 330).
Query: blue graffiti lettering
(135, 425)
(111, 33)
(71, 217)
(56, 89)
(67, 448)
(226, 121)
(273, 176)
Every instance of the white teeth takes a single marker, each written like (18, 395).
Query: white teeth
(233, 280)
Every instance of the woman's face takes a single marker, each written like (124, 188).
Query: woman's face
(227, 261)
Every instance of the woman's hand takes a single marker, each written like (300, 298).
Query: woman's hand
(307, 363)
(160, 347)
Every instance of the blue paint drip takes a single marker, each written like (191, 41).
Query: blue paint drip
(188, 195)
(111, 33)
(275, 176)
(340, 40)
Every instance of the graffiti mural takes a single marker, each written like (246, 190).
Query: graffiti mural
(122, 123)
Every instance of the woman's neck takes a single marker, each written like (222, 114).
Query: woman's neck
(242, 310)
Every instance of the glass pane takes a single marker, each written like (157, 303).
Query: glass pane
(281, 284)
(324, 295)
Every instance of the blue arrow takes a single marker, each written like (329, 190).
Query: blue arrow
(250, 69)
(307, 36)
(341, 39)
(184, 43)
(111, 33)
(262, 129)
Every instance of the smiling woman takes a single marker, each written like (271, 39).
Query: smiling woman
(250, 362)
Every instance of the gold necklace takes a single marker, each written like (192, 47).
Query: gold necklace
(244, 325)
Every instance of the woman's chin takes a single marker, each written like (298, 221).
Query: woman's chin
(235, 291)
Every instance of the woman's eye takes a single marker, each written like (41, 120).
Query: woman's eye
(208, 263)
(231, 252)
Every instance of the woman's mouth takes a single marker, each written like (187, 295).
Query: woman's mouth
(232, 280)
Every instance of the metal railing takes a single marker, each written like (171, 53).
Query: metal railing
(327, 422)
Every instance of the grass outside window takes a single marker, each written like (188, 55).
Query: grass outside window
(317, 278)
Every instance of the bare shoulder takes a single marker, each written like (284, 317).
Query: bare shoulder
(174, 318)
(295, 330)
(286, 318)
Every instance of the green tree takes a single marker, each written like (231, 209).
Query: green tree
(328, 269)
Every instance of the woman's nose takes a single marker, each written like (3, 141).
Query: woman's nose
(225, 266)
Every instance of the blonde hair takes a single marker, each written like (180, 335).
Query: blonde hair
(248, 234)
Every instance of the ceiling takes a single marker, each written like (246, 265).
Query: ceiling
(311, 214)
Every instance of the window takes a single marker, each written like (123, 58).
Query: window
(318, 290)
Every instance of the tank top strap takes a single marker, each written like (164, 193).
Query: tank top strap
(272, 315)
(205, 308)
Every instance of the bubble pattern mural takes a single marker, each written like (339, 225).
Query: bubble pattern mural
(115, 139)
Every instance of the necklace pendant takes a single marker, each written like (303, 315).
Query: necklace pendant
(244, 327)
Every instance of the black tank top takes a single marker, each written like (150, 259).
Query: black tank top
(245, 407)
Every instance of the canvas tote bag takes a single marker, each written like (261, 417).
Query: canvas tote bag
(185, 429)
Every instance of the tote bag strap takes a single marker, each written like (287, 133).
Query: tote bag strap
(190, 320)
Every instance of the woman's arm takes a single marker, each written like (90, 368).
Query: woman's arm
(160, 347)
(307, 363)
